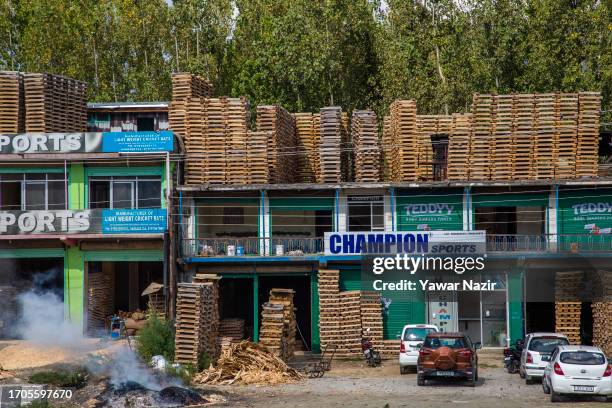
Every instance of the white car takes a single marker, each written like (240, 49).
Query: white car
(577, 370)
(536, 353)
(411, 340)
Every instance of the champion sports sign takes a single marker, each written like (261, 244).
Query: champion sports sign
(417, 242)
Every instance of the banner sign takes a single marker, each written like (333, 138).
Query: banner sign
(98, 221)
(127, 221)
(87, 142)
(417, 242)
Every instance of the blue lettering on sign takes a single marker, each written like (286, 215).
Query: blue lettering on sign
(376, 243)
(134, 221)
(137, 142)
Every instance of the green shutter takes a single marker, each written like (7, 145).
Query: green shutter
(515, 304)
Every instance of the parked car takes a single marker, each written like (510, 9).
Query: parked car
(411, 341)
(580, 370)
(448, 355)
(536, 354)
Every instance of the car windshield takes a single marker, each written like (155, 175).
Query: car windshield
(451, 342)
(582, 358)
(417, 333)
(546, 344)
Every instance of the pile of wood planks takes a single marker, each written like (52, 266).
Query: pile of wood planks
(568, 305)
(12, 103)
(458, 163)
(371, 316)
(602, 326)
(232, 328)
(220, 147)
(100, 298)
(401, 142)
(364, 134)
(390, 349)
(54, 103)
(197, 316)
(329, 307)
(282, 145)
(186, 86)
(350, 323)
(330, 148)
(278, 325)
(531, 137)
(307, 126)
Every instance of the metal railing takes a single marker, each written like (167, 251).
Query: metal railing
(275, 246)
(299, 246)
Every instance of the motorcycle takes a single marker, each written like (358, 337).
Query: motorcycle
(372, 356)
(512, 357)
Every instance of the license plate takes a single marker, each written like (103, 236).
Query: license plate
(584, 388)
(545, 358)
(445, 373)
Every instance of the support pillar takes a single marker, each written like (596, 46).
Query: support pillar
(256, 308)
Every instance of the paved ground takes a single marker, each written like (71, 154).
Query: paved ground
(351, 384)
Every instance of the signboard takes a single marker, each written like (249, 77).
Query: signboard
(98, 221)
(128, 221)
(429, 213)
(376, 242)
(88, 142)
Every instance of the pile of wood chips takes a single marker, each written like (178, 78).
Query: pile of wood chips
(248, 363)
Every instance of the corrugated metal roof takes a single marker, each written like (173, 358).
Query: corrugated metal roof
(127, 105)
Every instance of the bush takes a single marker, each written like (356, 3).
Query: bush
(156, 338)
(76, 379)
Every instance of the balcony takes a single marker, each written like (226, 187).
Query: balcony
(296, 246)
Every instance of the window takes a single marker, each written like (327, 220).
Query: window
(366, 213)
(450, 342)
(417, 333)
(546, 344)
(583, 357)
(32, 191)
(125, 192)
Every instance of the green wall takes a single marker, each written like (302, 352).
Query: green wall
(74, 285)
(438, 209)
(515, 304)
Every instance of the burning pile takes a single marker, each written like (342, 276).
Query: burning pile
(248, 363)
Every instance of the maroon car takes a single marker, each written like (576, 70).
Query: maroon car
(448, 355)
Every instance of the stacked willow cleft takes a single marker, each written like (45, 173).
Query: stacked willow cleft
(54, 103)
(568, 306)
(329, 308)
(197, 316)
(345, 316)
(232, 328)
(428, 128)
(186, 86)
(278, 325)
(459, 147)
(366, 146)
(401, 142)
(100, 298)
(330, 148)
(12, 103)
(308, 140)
(602, 326)
(282, 145)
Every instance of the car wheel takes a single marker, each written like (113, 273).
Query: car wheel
(472, 381)
(545, 386)
(554, 397)
(528, 380)
(402, 370)
(420, 380)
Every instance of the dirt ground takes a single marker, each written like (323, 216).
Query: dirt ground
(352, 384)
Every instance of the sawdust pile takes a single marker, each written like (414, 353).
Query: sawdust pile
(248, 363)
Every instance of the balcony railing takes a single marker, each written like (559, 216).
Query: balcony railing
(296, 246)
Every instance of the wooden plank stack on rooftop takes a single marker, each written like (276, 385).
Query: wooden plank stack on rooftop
(330, 148)
(54, 103)
(458, 167)
(186, 85)
(12, 103)
(589, 106)
(308, 139)
(283, 145)
(403, 142)
(366, 145)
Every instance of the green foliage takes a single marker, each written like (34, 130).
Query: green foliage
(41, 403)
(62, 378)
(156, 338)
(305, 54)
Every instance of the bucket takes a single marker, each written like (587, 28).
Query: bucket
(231, 250)
(240, 251)
(280, 249)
